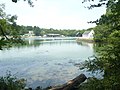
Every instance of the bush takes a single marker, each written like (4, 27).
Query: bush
(10, 82)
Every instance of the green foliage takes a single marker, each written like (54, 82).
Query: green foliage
(92, 84)
(9, 28)
(37, 31)
(107, 32)
(29, 2)
(107, 62)
(3, 43)
(109, 22)
(101, 33)
(10, 82)
(42, 31)
(7, 22)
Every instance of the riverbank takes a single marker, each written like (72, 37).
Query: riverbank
(89, 40)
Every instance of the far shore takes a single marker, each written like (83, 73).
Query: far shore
(57, 38)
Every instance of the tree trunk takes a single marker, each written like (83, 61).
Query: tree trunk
(72, 84)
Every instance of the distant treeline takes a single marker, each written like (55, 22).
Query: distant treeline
(42, 31)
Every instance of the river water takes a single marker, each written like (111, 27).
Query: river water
(47, 62)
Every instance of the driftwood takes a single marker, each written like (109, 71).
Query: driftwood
(72, 84)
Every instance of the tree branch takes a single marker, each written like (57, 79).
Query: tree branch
(3, 33)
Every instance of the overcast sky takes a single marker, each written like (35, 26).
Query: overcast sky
(57, 14)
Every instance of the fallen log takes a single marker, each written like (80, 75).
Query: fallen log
(72, 84)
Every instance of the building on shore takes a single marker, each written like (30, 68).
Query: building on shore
(29, 34)
(88, 34)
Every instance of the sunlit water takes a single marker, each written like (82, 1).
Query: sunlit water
(46, 63)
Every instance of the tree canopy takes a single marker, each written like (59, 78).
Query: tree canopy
(107, 61)
(29, 2)
(7, 27)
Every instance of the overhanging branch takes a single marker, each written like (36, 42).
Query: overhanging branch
(1, 29)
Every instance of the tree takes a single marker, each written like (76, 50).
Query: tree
(7, 21)
(29, 2)
(108, 59)
(7, 27)
(37, 31)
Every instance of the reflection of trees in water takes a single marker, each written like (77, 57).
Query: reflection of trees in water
(85, 44)
(34, 43)
(59, 42)
(37, 43)
(50, 42)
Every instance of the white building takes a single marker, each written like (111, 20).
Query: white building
(88, 34)
(29, 34)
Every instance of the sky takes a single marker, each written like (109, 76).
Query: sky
(57, 14)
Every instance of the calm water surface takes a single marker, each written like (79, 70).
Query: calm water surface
(45, 63)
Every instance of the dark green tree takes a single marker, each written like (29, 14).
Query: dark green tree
(37, 31)
(107, 61)
(29, 2)
(7, 28)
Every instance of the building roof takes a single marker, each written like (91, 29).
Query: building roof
(86, 32)
(77, 33)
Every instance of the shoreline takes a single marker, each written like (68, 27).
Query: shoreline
(89, 40)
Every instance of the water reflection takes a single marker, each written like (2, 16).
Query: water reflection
(85, 44)
(45, 63)
(38, 42)
(33, 42)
